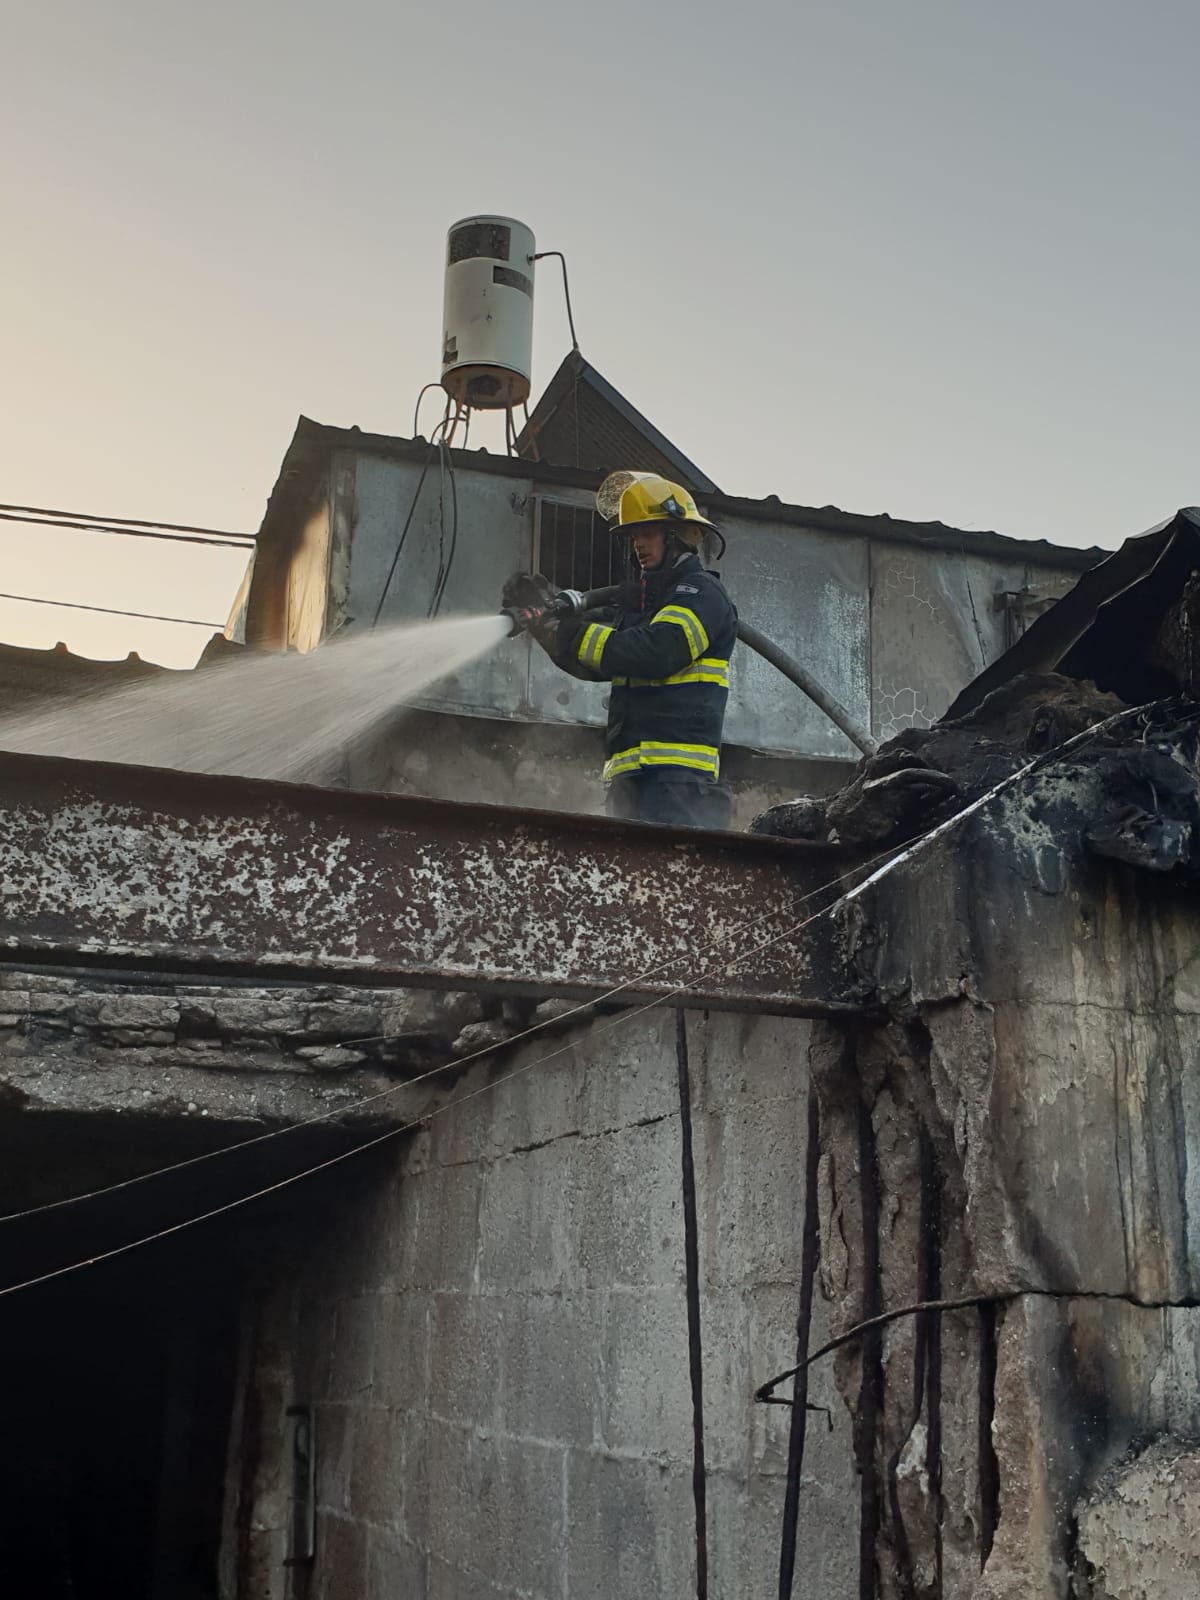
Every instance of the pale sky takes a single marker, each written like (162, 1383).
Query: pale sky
(929, 257)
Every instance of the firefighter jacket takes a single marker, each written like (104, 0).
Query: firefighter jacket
(665, 649)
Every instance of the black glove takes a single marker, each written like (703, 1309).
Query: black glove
(528, 591)
(545, 630)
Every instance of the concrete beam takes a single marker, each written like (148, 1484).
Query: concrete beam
(117, 865)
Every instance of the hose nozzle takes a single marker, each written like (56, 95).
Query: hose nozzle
(524, 619)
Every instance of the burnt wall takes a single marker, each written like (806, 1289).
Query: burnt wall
(1021, 1126)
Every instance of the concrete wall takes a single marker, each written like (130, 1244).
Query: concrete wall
(543, 767)
(493, 1334)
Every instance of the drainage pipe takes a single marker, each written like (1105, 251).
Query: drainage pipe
(769, 651)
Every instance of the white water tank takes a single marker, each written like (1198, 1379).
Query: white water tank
(487, 346)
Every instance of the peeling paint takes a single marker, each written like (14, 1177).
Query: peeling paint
(201, 871)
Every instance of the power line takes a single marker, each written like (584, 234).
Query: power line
(133, 527)
(883, 860)
(110, 611)
(390, 1133)
(457, 1063)
(904, 853)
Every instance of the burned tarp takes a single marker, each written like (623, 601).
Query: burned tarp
(1126, 626)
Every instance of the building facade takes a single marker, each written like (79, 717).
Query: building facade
(893, 618)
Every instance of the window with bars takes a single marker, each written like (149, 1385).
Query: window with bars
(577, 549)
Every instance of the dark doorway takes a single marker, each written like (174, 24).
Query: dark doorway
(118, 1381)
(117, 1393)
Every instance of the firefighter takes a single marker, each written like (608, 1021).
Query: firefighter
(665, 649)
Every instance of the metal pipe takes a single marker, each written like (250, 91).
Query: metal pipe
(779, 659)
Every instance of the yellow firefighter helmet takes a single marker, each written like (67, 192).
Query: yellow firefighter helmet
(627, 498)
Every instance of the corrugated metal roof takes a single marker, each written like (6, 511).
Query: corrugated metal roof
(30, 675)
(313, 443)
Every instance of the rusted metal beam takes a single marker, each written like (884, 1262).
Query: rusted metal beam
(117, 865)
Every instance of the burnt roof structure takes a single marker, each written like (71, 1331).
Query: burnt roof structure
(1126, 626)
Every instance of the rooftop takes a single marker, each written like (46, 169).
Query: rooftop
(314, 443)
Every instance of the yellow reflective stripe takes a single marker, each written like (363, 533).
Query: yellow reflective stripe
(707, 670)
(657, 753)
(690, 623)
(626, 761)
(591, 646)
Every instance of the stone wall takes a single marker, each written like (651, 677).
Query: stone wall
(151, 1046)
(494, 1338)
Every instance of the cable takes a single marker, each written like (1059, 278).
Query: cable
(412, 511)
(231, 543)
(444, 1066)
(901, 855)
(448, 436)
(543, 255)
(102, 524)
(889, 858)
(765, 1395)
(110, 611)
(369, 1144)
(443, 577)
(417, 408)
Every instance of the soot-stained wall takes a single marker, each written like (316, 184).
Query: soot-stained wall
(894, 629)
(1023, 1125)
(493, 1335)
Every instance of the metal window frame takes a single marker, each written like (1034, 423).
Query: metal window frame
(573, 580)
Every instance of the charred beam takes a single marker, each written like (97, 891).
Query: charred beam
(119, 865)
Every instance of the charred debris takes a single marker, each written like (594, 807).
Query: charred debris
(1119, 654)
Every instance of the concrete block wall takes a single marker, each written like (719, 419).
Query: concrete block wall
(494, 1335)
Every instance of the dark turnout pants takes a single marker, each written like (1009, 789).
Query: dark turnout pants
(671, 795)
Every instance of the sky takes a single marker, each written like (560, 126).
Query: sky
(930, 257)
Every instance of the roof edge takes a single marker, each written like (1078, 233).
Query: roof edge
(324, 438)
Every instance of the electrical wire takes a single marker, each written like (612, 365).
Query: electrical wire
(134, 527)
(584, 1006)
(439, 441)
(544, 255)
(412, 511)
(896, 858)
(531, 436)
(110, 611)
(444, 566)
(765, 1395)
(231, 543)
(889, 858)
(370, 1144)
(417, 408)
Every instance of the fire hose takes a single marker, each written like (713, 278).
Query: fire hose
(540, 602)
